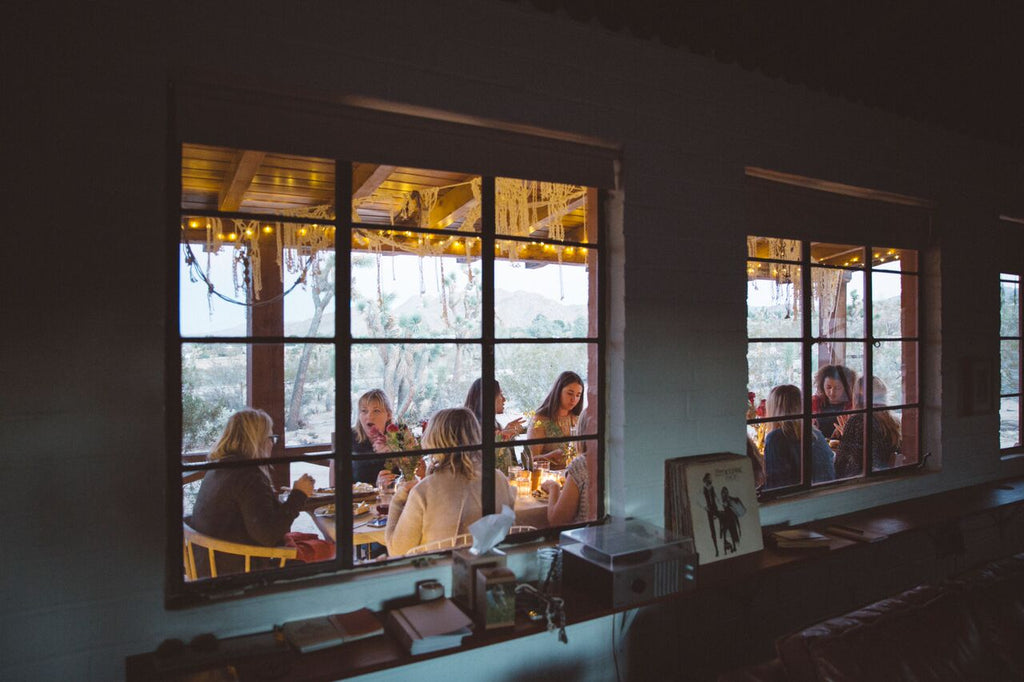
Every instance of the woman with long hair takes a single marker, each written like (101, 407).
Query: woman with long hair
(239, 504)
(503, 457)
(886, 434)
(833, 392)
(782, 460)
(557, 417)
(448, 499)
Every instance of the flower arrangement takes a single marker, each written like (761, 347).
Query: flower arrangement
(400, 438)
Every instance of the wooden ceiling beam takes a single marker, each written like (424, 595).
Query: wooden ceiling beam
(238, 179)
(367, 177)
(451, 207)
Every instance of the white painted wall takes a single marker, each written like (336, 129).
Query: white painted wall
(83, 380)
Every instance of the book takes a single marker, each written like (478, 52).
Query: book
(312, 634)
(800, 538)
(429, 626)
(358, 624)
(858, 534)
(711, 498)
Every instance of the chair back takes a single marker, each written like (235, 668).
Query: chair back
(454, 542)
(194, 538)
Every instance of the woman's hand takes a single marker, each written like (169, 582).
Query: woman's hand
(304, 484)
(556, 457)
(550, 486)
(384, 479)
(512, 429)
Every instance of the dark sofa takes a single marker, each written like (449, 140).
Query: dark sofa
(970, 627)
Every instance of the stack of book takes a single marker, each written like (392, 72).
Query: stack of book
(800, 538)
(313, 634)
(429, 626)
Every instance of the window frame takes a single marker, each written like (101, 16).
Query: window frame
(808, 340)
(181, 593)
(1017, 448)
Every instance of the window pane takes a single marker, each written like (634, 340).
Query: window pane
(1009, 422)
(894, 260)
(527, 373)
(256, 262)
(309, 306)
(418, 379)
(774, 248)
(1009, 308)
(397, 293)
(213, 387)
(415, 197)
(772, 364)
(202, 313)
(894, 305)
(542, 290)
(542, 210)
(309, 392)
(896, 367)
(840, 255)
(837, 303)
(773, 300)
(248, 181)
(1009, 367)
(781, 452)
(893, 441)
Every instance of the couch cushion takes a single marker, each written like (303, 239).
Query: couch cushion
(995, 595)
(926, 633)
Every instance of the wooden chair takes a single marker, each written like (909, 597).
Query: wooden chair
(212, 544)
(463, 540)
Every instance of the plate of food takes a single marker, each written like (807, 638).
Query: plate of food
(360, 508)
(326, 510)
(363, 491)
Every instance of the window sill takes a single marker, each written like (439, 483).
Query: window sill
(382, 653)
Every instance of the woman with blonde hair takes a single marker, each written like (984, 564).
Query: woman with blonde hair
(782, 459)
(448, 499)
(239, 503)
(886, 434)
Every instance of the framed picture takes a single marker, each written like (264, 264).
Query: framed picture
(711, 498)
(979, 388)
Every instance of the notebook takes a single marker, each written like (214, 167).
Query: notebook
(429, 626)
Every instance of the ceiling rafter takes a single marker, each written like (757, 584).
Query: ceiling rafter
(238, 179)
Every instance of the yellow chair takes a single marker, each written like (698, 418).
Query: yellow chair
(194, 537)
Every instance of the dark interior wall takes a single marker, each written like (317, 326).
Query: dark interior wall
(84, 286)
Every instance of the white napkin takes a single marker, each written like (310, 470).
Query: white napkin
(489, 530)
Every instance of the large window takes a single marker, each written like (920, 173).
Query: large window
(1009, 361)
(821, 319)
(450, 278)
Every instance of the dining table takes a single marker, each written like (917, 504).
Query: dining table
(362, 532)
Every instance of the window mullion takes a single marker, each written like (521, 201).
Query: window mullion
(487, 242)
(343, 361)
(869, 369)
(806, 363)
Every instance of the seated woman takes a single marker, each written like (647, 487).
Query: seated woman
(239, 504)
(556, 417)
(782, 444)
(886, 434)
(503, 457)
(832, 393)
(576, 501)
(448, 499)
(368, 436)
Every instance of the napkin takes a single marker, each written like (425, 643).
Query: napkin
(489, 530)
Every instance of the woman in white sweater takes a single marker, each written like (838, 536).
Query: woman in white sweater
(447, 501)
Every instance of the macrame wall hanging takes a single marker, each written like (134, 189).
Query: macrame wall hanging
(522, 207)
